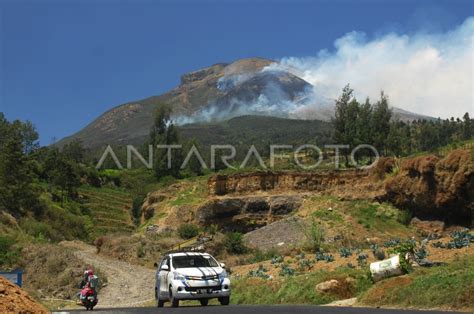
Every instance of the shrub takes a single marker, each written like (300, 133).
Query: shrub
(260, 256)
(421, 253)
(320, 256)
(379, 254)
(212, 229)
(234, 243)
(92, 177)
(260, 272)
(404, 248)
(329, 258)
(345, 252)
(111, 176)
(405, 217)
(141, 251)
(277, 259)
(362, 259)
(167, 180)
(460, 239)
(188, 231)
(8, 253)
(315, 236)
(438, 244)
(39, 229)
(286, 270)
(137, 209)
(392, 242)
(305, 264)
(374, 247)
(98, 243)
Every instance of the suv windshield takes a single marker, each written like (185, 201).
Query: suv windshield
(194, 261)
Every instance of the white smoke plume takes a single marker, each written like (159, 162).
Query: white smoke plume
(272, 101)
(426, 73)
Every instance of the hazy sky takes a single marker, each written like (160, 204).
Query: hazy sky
(63, 63)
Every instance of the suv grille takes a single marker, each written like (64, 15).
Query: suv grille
(210, 277)
(194, 289)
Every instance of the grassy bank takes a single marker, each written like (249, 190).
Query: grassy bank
(448, 287)
(299, 289)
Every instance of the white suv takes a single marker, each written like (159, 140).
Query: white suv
(191, 276)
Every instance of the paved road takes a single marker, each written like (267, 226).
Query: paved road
(253, 309)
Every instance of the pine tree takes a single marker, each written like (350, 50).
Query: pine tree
(194, 164)
(15, 171)
(30, 137)
(160, 125)
(74, 150)
(364, 129)
(467, 127)
(351, 130)
(381, 122)
(164, 132)
(340, 118)
(4, 128)
(172, 138)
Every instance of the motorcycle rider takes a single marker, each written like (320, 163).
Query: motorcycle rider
(85, 279)
(88, 284)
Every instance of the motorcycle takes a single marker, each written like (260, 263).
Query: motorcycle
(88, 298)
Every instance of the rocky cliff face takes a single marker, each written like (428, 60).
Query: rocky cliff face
(431, 188)
(434, 188)
(247, 213)
(248, 201)
(285, 181)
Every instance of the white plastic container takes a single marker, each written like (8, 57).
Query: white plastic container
(386, 268)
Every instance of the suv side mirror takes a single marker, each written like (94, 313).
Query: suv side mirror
(165, 268)
(222, 265)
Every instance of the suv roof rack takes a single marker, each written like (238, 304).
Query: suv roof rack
(185, 251)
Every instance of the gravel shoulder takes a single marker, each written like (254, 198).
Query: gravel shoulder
(128, 285)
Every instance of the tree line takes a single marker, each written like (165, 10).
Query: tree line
(26, 169)
(358, 123)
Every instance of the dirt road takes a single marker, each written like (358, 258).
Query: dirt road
(128, 285)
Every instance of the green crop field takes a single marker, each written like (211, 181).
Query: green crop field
(109, 209)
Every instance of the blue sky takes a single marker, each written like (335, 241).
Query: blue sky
(63, 63)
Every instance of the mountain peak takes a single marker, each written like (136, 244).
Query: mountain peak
(241, 66)
(218, 92)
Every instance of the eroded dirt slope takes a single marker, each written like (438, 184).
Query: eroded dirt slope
(434, 188)
(360, 184)
(14, 300)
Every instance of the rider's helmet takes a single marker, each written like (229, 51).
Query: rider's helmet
(88, 272)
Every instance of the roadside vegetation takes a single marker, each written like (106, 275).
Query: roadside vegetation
(300, 289)
(448, 287)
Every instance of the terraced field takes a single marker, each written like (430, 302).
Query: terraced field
(109, 208)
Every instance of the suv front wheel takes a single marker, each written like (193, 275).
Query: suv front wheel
(224, 300)
(159, 303)
(174, 302)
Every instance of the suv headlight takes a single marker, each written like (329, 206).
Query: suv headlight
(178, 276)
(223, 275)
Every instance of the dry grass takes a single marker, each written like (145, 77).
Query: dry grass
(52, 271)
